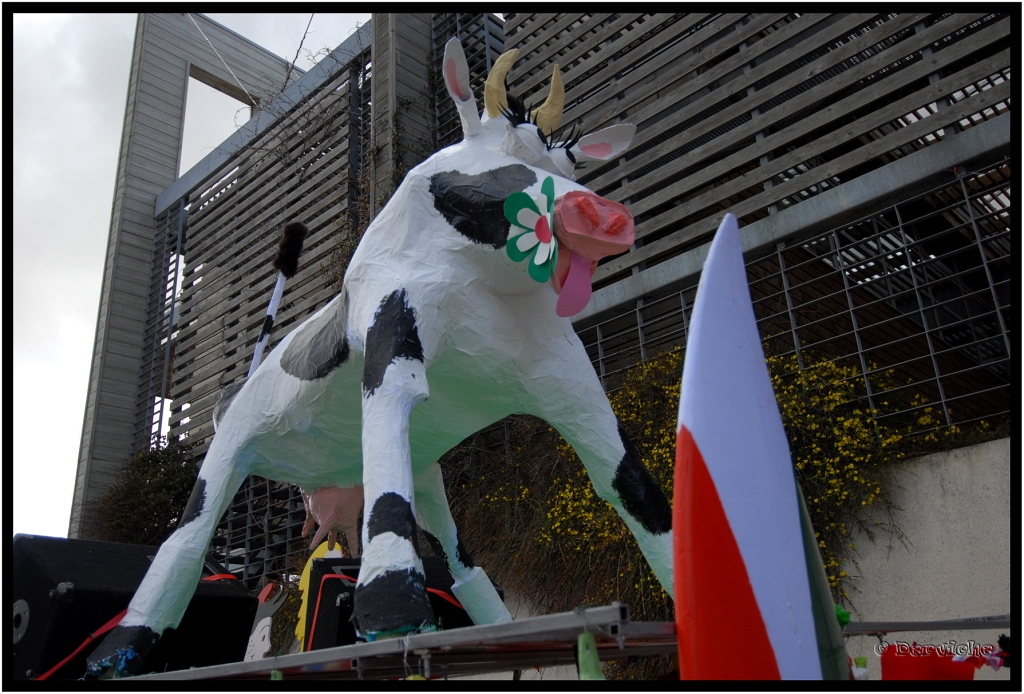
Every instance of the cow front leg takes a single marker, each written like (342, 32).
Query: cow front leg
(165, 592)
(391, 593)
(620, 478)
(472, 586)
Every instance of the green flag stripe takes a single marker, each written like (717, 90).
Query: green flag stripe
(835, 663)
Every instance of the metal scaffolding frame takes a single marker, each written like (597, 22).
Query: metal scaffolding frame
(538, 641)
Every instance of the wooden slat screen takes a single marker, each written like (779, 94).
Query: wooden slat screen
(298, 170)
(753, 113)
(483, 42)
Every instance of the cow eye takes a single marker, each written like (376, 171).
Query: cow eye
(522, 143)
(566, 140)
(563, 160)
(530, 136)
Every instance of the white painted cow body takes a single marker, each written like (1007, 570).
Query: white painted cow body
(436, 334)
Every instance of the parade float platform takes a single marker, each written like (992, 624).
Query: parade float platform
(545, 641)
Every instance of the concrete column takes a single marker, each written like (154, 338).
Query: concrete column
(169, 48)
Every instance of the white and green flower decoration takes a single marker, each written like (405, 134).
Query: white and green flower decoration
(533, 230)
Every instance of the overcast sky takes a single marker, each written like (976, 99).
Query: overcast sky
(70, 84)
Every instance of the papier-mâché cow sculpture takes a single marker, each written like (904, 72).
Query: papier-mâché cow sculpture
(452, 316)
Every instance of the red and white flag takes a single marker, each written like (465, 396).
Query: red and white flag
(743, 596)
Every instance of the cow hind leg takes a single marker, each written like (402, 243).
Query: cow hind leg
(391, 593)
(472, 586)
(161, 599)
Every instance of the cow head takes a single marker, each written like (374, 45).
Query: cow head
(585, 226)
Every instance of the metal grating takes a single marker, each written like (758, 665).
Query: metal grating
(261, 532)
(920, 292)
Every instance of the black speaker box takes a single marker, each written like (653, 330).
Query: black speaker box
(329, 601)
(64, 590)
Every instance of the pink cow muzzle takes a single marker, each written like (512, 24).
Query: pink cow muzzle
(588, 228)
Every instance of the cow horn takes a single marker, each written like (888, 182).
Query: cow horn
(494, 89)
(550, 113)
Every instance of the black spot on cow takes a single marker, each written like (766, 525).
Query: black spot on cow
(391, 601)
(392, 514)
(641, 496)
(195, 504)
(435, 545)
(320, 345)
(227, 396)
(268, 325)
(392, 336)
(463, 554)
(475, 203)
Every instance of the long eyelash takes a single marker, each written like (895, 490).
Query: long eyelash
(560, 139)
(517, 112)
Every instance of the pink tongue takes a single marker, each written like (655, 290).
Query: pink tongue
(576, 289)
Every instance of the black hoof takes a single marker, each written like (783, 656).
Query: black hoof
(395, 601)
(122, 653)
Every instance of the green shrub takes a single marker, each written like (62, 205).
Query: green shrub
(145, 503)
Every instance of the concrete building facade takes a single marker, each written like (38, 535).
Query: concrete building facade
(169, 49)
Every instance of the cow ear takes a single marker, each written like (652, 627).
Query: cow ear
(605, 144)
(456, 71)
(456, 78)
